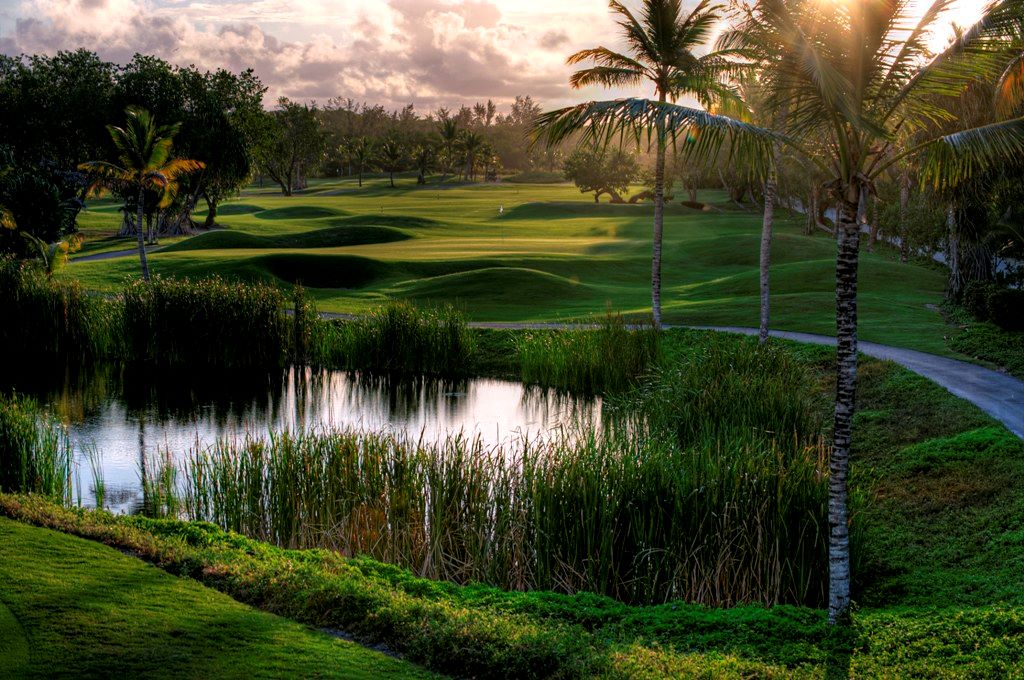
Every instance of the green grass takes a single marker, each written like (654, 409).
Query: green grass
(74, 608)
(552, 255)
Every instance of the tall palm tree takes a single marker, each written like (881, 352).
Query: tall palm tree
(423, 157)
(860, 80)
(448, 128)
(662, 44)
(144, 162)
(360, 153)
(471, 144)
(391, 156)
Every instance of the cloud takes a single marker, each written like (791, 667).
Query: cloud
(430, 52)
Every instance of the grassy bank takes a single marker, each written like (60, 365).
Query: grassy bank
(74, 608)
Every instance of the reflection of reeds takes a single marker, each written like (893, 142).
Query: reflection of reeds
(608, 358)
(35, 451)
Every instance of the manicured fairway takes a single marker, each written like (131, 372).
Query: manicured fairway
(552, 254)
(75, 608)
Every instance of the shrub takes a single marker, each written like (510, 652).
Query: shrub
(1006, 308)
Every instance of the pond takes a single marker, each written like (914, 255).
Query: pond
(121, 417)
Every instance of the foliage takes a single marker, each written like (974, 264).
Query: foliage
(992, 302)
(601, 171)
(294, 144)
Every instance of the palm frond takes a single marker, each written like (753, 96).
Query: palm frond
(606, 76)
(949, 160)
(7, 219)
(639, 121)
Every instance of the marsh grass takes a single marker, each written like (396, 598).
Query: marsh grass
(51, 316)
(609, 358)
(99, 483)
(158, 476)
(35, 451)
(205, 322)
(400, 338)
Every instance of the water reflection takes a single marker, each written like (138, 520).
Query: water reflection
(127, 414)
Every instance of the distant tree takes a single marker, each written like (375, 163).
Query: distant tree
(360, 151)
(391, 156)
(470, 143)
(448, 129)
(144, 164)
(424, 156)
(295, 142)
(601, 171)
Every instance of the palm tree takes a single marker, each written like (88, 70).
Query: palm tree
(662, 42)
(360, 153)
(423, 157)
(145, 163)
(448, 128)
(471, 144)
(859, 81)
(391, 156)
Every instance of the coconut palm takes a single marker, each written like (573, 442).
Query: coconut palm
(662, 44)
(471, 143)
(391, 156)
(360, 152)
(144, 163)
(448, 128)
(423, 157)
(860, 82)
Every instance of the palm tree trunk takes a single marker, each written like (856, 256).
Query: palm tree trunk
(142, 239)
(956, 277)
(848, 231)
(904, 202)
(659, 226)
(767, 224)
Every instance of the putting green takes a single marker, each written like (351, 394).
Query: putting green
(521, 252)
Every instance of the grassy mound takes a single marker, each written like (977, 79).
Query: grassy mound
(299, 212)
(331, 237)
(511, 286)
(324, 271)
(73, 608)
(229, 209)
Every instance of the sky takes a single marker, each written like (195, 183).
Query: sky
(393, 52)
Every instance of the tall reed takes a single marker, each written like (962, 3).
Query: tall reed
(608, 358)
(402, 338)
(35, 451)
(46, 316)
(205, 322)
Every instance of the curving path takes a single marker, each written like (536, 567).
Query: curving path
(997, 394)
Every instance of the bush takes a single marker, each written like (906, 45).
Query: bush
(1006, 308)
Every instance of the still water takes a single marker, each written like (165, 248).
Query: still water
(126, 416)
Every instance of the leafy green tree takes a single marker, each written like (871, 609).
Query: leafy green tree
(663, 45)
(601, 171)
(296, 141)
(424, 156)
(144, 163)
(361, 152)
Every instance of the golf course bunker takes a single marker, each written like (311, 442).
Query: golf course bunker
(128, 418)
